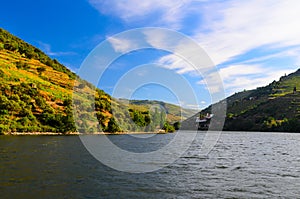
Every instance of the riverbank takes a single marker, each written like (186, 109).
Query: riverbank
(77, 133)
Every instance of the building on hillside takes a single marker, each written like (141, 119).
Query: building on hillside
(204, 121)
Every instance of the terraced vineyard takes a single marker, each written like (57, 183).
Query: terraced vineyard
(275, 107)
(37, 94)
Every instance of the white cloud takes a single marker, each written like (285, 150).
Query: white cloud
(227, 30)
(121, 45)
(235, 27)
(234, 71)
(158, 39)
(176, 63)
(240, 77)
(213, 82)
(47, 49)
(163, 12)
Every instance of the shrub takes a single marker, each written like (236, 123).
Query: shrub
(40, 70)
(1, 46)
(112, 126)
(176, 125)
(168, 128)
(4, 129)
(22, 65)
(2, 74)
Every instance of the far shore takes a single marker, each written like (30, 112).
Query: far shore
(77, 133)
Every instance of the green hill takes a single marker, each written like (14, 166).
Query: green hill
(36, 94)
(275, 107)
(173, 112)
(36, 91)
(271, 108)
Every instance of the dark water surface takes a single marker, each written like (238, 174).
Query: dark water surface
(242, 165)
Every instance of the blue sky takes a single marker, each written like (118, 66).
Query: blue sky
(251, 42)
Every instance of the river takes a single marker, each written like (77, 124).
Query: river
(241, 165)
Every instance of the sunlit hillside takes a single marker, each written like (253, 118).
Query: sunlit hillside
(275, 107)
(40, 94)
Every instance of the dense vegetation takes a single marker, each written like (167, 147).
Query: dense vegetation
(23, 110)
(274, 107)
(37, 93)
(271, 108)
(14, 44)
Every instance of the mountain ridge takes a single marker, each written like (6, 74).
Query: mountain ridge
(40, 94)
(275, 107)
(36, 95)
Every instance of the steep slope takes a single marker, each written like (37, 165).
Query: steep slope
(36, 94)
(35, 91)
(173, 112)
(274, 107)
(271, 108)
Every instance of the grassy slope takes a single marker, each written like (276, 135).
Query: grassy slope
(266, 108)
(271, 108)
(20, 65)
(174, 112)
(274, 107)
(53, 84)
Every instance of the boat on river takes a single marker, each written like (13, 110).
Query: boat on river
(203, 121)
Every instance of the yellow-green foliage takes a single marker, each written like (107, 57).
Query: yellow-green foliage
(37, 94)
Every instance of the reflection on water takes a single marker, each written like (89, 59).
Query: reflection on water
(242, 165)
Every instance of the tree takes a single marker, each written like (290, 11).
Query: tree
(22, 65)
(4, 129)
(168, 128)
(40, 101)
(40, 70)
(101, 119)
(68, 102)
(138, 119)
(29, 52)
(1, 46)
(176, 125)
(68, 121)
(25, 111)
(2, 74)
(4, 102)
(112, 126)
(11, 45)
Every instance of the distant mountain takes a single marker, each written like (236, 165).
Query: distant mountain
(174, 112)
(36, 94)
(275, 107)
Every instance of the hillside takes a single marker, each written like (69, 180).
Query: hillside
(275, 107)
(173, 112)
(36, 94)
(36, 91)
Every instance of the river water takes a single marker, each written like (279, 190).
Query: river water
(241, 165)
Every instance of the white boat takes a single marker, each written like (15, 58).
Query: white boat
(205, 118)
